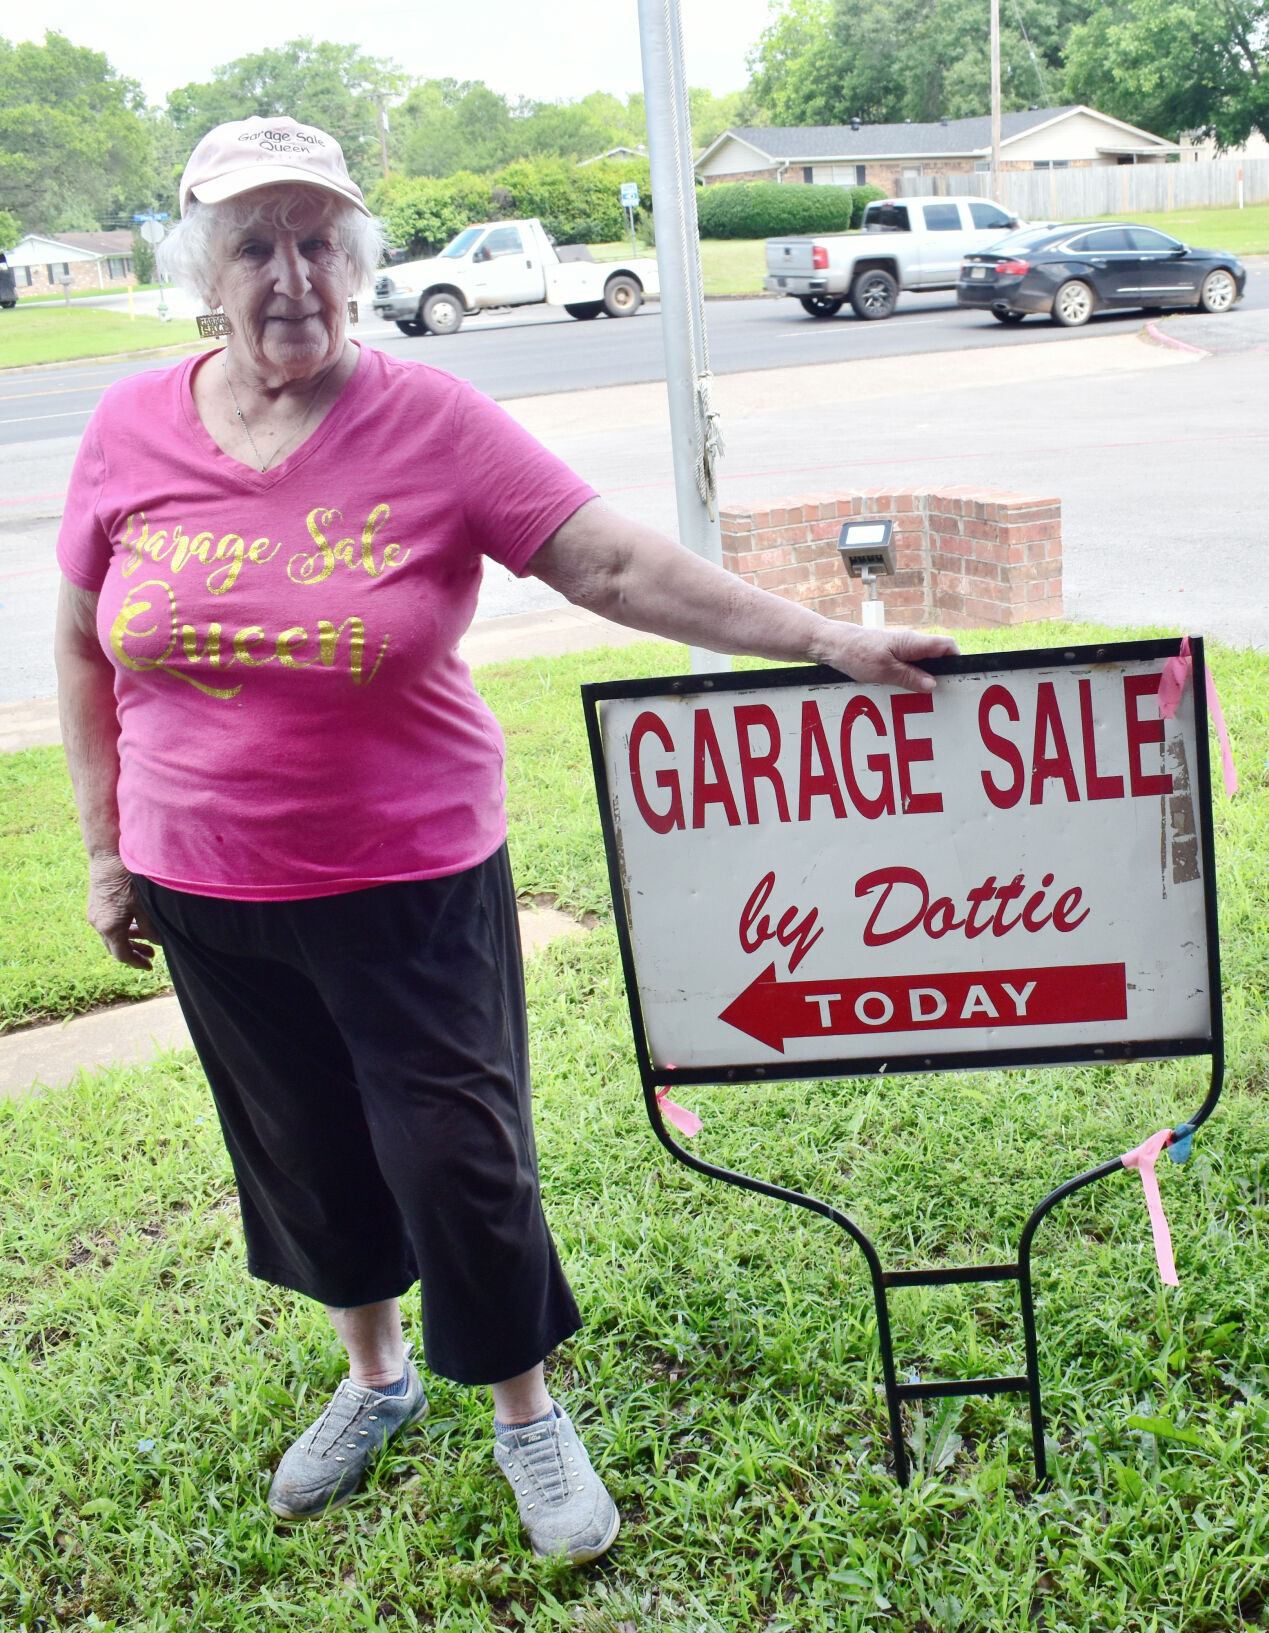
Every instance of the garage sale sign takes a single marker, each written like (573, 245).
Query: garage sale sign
(816, 877)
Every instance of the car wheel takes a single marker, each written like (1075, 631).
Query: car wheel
(411, 327)
(1073, 304)
(1218, 291)
(442, 313)
(584, 309)
(873, 294)
(1008, 317)
(622, 296)
(822, 306)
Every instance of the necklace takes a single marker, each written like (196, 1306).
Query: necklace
(294, 436)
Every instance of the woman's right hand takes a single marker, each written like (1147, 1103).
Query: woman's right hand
(116, 914)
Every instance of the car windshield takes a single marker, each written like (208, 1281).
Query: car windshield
(462, 243)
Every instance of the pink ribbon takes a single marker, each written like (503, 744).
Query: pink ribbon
(1143, 1158)
(1177, 673)
(687, 1122)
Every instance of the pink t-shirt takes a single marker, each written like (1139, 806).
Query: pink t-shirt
(294, 717)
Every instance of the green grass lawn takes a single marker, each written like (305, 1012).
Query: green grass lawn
(1241, 232)
(729, 266)
(57, 334)
(727, 1378)
(83, 294)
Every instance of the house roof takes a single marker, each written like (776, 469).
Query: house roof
(35, 247)
(100, 243)
(958, 138)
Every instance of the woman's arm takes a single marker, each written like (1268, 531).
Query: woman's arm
(636, 576)
(90, 734)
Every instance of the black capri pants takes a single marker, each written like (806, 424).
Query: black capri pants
(368, 1056)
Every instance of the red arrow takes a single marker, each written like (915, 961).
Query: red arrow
(773, 1011)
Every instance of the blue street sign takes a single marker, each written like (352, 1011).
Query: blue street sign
(629, 195)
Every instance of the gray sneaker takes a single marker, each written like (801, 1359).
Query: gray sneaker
(564, 1505)
(324, 1467)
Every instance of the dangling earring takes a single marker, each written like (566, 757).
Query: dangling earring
(352, 310)
(213, 325)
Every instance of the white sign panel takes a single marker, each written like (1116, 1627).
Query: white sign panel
(825, 872)
(629, 195)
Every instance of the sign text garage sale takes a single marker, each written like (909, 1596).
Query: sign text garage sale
(815, 871)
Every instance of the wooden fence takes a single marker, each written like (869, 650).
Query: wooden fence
(1111, 189)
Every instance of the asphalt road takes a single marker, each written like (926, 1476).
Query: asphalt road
(523, 354)
(1156, 454)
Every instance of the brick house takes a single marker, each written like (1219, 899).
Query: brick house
(43, 262)
(890, 155)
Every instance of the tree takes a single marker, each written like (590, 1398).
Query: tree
(74, 144)
(335, 87)
(10, 230)
(1201, 66)
(797, 68)
(712, 115)
(823, 62)
(448, 125)
(577, 130)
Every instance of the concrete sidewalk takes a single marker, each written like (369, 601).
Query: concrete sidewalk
(46, 1057)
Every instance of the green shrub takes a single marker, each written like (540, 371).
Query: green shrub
(142, 259)
(577, 204)
(766, 209)
(423, 213)
(864, 196)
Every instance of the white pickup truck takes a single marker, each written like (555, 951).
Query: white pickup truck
(906, 243)
(508, 263)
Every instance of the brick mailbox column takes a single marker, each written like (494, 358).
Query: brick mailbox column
(964, 557)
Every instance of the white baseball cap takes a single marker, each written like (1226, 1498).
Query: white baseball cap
(249, 153)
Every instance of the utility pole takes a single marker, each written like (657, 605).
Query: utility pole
(695, 441)
(995, 100)
(383, 131)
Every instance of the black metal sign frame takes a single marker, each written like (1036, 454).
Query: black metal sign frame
(1019, 1269)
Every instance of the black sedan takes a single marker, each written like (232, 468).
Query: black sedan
(1070, 271)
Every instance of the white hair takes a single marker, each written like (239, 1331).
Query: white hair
(188, 255)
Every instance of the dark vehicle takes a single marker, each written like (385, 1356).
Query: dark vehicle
(8, 285)
(1070, 271)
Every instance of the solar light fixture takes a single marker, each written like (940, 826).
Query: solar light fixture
(865, 551)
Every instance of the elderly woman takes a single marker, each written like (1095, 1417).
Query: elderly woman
(285, 776)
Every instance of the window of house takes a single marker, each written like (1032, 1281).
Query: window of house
(118, 266)
(1050, 164)
(942, 218)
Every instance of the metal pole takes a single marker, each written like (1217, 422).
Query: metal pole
(995, 100)
(694, 436)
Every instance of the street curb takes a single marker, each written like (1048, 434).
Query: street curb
(1161, 339)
